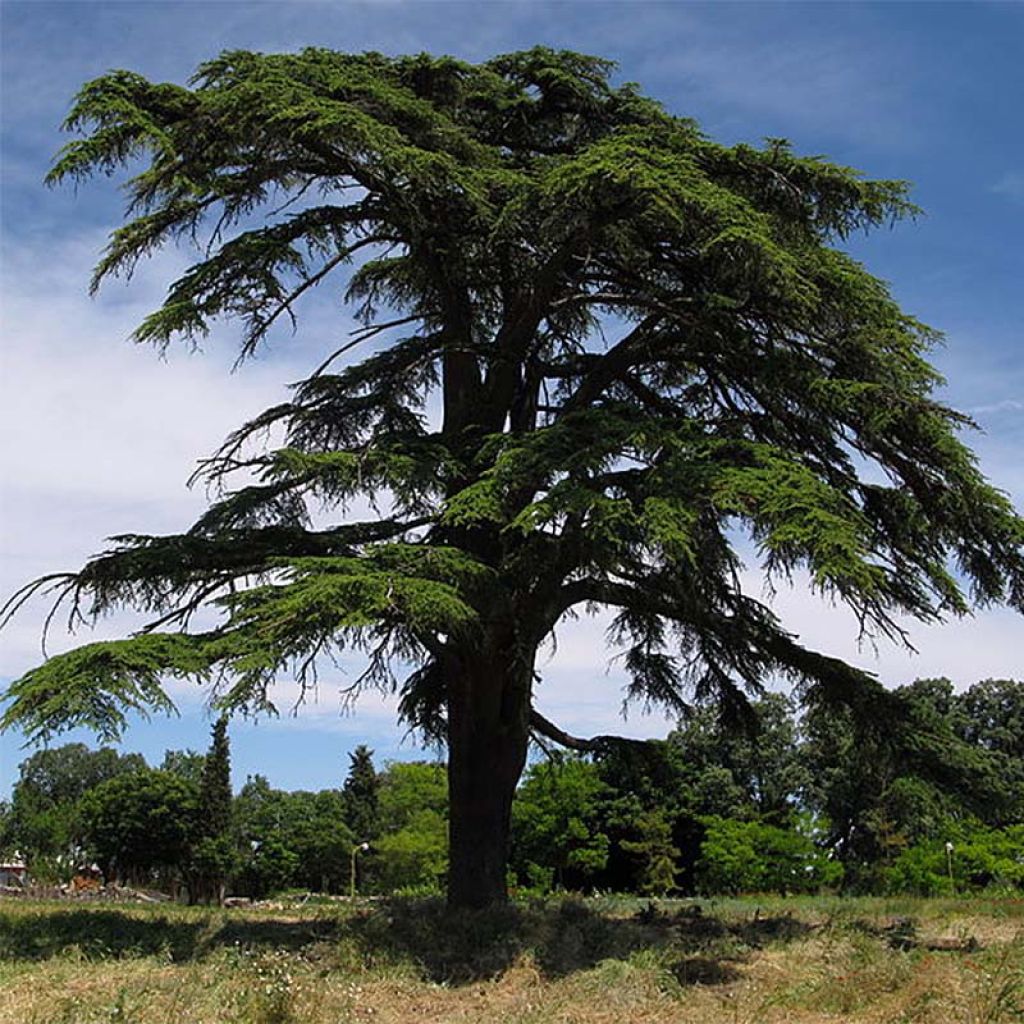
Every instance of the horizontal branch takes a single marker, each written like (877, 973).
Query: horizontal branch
(596, 744)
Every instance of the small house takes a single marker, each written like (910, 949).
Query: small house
(13, 871)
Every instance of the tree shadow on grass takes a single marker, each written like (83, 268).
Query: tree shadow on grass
(109, 934)
(95, 935)
(562, 937)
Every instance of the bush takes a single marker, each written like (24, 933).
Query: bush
(748, 856)
(981, 858)
(415, 857)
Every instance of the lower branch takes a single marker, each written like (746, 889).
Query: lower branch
(541, 726)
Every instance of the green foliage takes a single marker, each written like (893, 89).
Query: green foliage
(360, 794)
(748, 856)
(288, 840)
(980, 858)
(655, 852)
(882, 792)
(754, 770)
(45, 820)
(188, 764)
(557, 824)
(415, 858)
(214, 856)
(710, 809)
(412, 851)
(215, 784)
(97, 684)
(139, 822)
(272, 866)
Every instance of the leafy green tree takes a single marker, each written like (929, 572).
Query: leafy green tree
(412, 850)
(297, 839)
(407, 787)
(706, 767)
(361, 795)
(45, 819)
(557, 824)
(268, 864)
(990, 715)
(655, 851)
(642, 345)
(140, 822)
(323, 840)
(188, 764)
(882, 792)
(270, 867)
(413, 858)
(763, 773)
(750, 856)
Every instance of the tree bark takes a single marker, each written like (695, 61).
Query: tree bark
(488, 735)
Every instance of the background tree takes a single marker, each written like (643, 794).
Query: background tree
(360, 795)
(45, 814)
(749, 856)
(558, 834)
(214, 857)
(990, 715)
(188, 764)
(140, 823)
(707, 767)
(412, 850)
(6, 835)
(644, 347)
(288, 840)
(322, 840)
(654, 850)
(261, 818)
(882, 791)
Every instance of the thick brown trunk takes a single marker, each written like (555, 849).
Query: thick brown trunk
(488, 734)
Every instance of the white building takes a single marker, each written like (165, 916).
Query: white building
(13, 870)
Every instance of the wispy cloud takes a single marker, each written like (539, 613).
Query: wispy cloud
(1004, 405)
(1010, 185)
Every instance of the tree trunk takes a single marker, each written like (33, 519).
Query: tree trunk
(488, 735)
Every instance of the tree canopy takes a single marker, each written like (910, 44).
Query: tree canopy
(602, 360)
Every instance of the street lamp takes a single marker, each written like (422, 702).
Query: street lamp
(949, 866)
(358, 848)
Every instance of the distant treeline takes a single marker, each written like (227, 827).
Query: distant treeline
(930, 802)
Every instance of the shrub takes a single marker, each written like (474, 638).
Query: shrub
(749, 856)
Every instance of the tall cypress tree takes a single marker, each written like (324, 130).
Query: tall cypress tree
(360, 791)
(215, 786)
(214, 856)
(641, 346)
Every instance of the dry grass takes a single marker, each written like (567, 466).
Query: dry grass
(735, 962)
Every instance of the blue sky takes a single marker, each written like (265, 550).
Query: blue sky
(99, 436)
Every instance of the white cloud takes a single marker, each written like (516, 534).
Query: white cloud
(987, 645)
(102, 435)
(1010, 185)
(1004, 405)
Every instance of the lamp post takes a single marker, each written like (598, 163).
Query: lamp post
(949, 867)
(358, 848)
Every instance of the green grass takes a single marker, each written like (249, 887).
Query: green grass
(754, 960)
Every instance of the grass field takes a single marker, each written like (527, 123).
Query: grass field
(594, 962)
